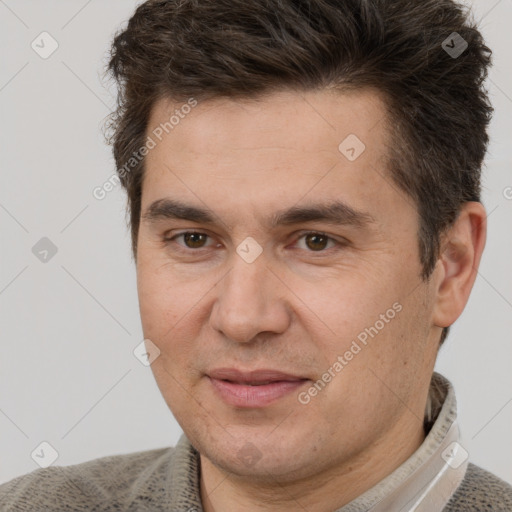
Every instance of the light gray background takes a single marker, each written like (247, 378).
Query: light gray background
(68, 327)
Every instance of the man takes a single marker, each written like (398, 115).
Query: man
(304, 189)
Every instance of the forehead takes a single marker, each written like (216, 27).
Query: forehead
(268, 153)
(314, 120)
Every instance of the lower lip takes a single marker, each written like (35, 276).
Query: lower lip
(241, 395)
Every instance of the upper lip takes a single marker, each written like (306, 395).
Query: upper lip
(260, 375)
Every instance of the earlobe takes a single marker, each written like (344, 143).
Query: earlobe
(461, 250)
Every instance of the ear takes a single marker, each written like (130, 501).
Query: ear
(461, 250)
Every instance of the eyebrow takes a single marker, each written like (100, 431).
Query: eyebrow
(336, 212)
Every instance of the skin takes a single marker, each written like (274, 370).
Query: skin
(296, 308)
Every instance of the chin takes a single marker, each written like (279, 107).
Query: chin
(259, 456)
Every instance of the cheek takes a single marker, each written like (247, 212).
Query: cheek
(170, 311)
(338, 309)
(363, 324)
(163, 297)
(154, 299)
(160, 310)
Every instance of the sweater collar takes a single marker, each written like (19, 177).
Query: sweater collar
(423, 483)
(429, 477)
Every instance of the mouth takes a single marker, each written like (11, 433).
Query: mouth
(253, 389)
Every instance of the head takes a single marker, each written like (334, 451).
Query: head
(266, 98)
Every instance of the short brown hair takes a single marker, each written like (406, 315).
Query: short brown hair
(438, 109)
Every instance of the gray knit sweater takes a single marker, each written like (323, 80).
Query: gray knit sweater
(167, 479)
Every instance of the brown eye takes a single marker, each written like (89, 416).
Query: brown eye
(194, 240)
(316, 241)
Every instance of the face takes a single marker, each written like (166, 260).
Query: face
(253, 272)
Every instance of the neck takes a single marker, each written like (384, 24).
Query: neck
(325, 491)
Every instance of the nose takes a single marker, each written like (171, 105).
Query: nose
(250, 300)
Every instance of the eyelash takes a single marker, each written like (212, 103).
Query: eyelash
(182, 249)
